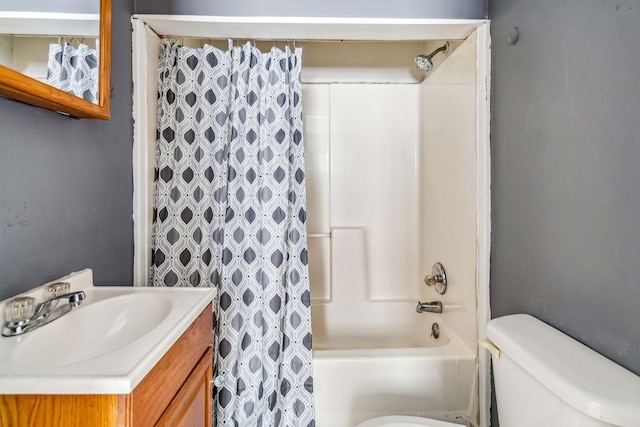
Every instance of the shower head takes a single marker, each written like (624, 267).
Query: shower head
(424, 62)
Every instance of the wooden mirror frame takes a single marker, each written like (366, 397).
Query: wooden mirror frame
(17, 86)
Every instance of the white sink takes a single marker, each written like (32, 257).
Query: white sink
(104, 346)
(93, 330)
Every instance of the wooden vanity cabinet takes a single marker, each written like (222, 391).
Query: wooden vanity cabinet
(193, 399)
(176, 392)
(180, 367)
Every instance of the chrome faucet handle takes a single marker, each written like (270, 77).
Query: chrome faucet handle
(438, 278)
(28, 318)
(19, 309)
(56, 289)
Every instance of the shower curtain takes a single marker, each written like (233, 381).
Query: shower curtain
(73, 70)
(230, 212)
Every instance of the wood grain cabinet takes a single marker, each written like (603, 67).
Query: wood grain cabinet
(176, 392)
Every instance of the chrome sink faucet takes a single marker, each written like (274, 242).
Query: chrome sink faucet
(22, 316)
(429, 307)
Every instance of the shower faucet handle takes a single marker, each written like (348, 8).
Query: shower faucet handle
(438, 278)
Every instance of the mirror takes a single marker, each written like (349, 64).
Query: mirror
(52, 42)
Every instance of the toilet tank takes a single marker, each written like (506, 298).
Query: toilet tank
(546, 378)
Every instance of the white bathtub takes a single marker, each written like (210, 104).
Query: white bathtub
(360, 377)
(373, 354)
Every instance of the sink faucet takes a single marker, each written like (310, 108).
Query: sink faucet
(43, 313)
(429, 307)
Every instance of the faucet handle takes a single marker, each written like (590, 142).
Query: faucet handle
(438, 278)
(19, 309)
(54, 290)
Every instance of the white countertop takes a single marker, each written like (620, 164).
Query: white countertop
(161, 315)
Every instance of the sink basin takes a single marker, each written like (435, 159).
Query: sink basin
(93, 330)
(104, 346)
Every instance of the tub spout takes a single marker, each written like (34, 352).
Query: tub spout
(429, 307)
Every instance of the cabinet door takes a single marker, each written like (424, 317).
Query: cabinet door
(156, 391)
(47, 410)
(191, 407)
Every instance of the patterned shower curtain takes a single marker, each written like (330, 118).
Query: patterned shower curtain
(230, 212)
(74, 70)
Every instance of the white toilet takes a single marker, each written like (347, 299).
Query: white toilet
(546, 378)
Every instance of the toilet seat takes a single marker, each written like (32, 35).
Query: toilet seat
(405, 421)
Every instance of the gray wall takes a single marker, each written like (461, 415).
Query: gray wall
(344, 8)
(566, 169)
(66, 185)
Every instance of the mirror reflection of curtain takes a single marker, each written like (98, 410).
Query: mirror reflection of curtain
(74, 70)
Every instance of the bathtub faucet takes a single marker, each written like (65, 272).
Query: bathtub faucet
(429, 307)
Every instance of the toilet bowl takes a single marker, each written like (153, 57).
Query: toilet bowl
(404, 421)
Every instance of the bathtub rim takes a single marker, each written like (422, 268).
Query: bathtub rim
(454, 348)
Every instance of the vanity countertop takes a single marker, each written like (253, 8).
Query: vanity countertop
(105, 346)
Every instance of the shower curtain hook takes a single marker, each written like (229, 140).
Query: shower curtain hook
(230, 42)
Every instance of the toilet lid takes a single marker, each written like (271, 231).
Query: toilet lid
(404, 421)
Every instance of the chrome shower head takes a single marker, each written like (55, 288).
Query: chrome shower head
(424, 62)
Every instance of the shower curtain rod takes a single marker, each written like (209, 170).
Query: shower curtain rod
(263, 40)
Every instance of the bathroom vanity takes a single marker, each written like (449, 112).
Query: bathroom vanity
(125, 357)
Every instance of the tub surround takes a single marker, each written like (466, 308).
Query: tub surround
(391, 179)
